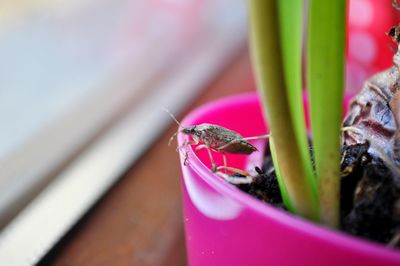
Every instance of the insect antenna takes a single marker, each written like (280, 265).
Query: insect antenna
(177, 122)
(172, 138)
(172, 116)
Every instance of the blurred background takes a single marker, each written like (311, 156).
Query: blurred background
(83, 85)
(70, 69)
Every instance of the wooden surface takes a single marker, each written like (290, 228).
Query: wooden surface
(139, 221)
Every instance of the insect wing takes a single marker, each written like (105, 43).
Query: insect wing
(240, 147)
(222, 139)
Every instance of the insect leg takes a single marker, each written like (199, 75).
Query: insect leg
(172, 138)
(186, 158)
(202, 146)
(395, 240)
(236, 180)
(213, 166)
(186, 145)
(234, 170)
(258, 137)
(225, 161)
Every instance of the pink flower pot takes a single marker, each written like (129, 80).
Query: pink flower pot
(225, 226)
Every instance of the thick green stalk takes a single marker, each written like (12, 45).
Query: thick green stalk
(267, 59)
(291, 29)
(326, 45)
(279, 176)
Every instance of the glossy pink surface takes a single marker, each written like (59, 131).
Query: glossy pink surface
(225, 226)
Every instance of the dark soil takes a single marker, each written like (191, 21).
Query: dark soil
(265, 186)
(370, 172)
(370, 197)
(370, 166)
(370, 194)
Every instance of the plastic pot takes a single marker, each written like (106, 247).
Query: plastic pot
(225, 226)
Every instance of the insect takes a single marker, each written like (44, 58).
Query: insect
(222, 140)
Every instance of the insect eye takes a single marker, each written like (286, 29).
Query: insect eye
(188, 130)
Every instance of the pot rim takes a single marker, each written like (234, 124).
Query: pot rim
(306, 227)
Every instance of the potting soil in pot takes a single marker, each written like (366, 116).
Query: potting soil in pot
(370, 165)
(370, 196)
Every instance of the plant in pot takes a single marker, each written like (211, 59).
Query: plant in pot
(349, 180)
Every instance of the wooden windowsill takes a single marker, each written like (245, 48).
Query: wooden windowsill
(139, 221)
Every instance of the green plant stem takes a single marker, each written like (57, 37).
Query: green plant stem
(326, 44)
(267, 58)
(279, 176)
(290, 25)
